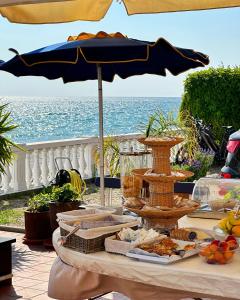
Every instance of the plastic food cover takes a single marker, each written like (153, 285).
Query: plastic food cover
(218, 193)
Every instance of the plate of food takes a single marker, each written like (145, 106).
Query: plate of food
(164, 251)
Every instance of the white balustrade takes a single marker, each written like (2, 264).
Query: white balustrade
(35, 167)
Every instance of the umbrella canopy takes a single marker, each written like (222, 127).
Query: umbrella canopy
(59, 11)
(102, 56)
(76, 59)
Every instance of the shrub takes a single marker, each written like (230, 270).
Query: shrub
(213, 95)
(39, 203)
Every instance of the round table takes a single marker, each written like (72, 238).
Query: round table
(101, 272)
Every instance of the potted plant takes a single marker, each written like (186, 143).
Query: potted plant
(37, 219)
(63, 198)
(111, 163)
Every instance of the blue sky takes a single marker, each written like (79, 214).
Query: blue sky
(214, 32)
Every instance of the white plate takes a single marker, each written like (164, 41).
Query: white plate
(145, 256)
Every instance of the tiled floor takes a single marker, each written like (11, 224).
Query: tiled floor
(31, 266)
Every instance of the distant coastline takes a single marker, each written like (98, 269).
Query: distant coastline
(56, 118)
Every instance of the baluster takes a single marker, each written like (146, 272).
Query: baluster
(90, 160)
(75, 157)
(82, 162)
(6, 179)
(44, 175)
(28, 170)
(128, 145)
(67, 163)
(36, 169)
(19, 174)
(59, 161)
(51, 166)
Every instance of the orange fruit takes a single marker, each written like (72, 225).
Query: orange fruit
(232, 244)
(236, 230)
(219, 257)
(228, 255)
(213, 247)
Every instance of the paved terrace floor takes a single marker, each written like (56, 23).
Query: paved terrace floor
(31, 266)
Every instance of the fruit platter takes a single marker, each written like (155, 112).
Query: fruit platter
(219, 252)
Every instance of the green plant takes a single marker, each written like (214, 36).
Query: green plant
(64, 193)
(6, 152)
(199, 165)
(213, 96)
(111, 152)
(39, 203)
(162, 124)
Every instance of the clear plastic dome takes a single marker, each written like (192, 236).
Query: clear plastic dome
(218, 193)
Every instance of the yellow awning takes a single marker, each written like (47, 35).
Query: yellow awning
(61, 11)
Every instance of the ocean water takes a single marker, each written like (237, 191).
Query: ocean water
(55, 118)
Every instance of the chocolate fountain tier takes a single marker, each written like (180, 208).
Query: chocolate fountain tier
(165, 213)
(161, 148)
(161, 142)
(162, 219)
(149, 176)
(161, 186)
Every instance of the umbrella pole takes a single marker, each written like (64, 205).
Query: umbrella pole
(101, 141)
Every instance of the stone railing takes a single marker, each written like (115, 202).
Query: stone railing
(36, 167)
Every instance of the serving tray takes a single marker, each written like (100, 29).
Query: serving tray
(145, 256)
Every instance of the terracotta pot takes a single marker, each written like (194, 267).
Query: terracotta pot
(37, 227)
(58, 207)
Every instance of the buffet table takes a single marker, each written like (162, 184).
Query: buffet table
(76, 276)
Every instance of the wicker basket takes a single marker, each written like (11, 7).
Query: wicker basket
(92, 240)
(78, 214)
(84, 245)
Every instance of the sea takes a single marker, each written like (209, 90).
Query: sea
(55, 118)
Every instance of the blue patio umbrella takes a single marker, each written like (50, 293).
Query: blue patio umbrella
(102, 56)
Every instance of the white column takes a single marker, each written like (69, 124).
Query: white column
(19, 171)
(82, 164)
(6, 179)
(44, 176)
(28, 169)
(36, 169)
(67, 163)
(51, 165)
(90, 161)
(59, 161)
(75, 157)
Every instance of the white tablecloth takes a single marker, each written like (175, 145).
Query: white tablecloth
(192, 274)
